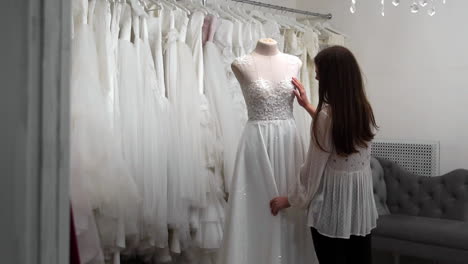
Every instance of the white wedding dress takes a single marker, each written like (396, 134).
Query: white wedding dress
(268, 158)
(101, 188)
(225, 40)
(294, 46)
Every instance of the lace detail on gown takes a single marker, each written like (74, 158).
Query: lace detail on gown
(244, 60)
(267, 100)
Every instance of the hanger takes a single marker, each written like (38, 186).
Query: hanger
(315, 26)
(283, 21)
(137, 7)
(278, 19)
(172, 4)
(156, 4)
(259, 15)
(180, 6)
(240, 10)
(298, 25)
(328, 27)
(226, 7)
(222, 13)
(198, 6)
(290, 22)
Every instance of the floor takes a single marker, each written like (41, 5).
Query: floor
(386, 258)
(378, 258)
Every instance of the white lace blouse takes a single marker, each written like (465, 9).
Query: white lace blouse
(337, 190)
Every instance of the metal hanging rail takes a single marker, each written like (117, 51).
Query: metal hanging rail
(287, 9)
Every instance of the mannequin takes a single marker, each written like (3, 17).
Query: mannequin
(269, 154)
(266, 62)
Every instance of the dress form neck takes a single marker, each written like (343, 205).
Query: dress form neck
(267, 47)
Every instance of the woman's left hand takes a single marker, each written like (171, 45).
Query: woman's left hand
(278, 204)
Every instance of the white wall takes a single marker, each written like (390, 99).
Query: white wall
(416, 68)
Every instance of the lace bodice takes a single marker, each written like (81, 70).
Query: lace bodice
(266, 99)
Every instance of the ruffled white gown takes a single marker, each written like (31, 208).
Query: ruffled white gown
(189, 101)
(161, 130)
(211, 216)
(97, 174)
(268, 158)
(151, 180)
(186, 180)
(224, 39)
(293, 46)
(311, 44)
(110, 186)
(177, 208)
(127, 119)
(81, 164)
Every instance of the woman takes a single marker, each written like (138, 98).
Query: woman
(335, 182)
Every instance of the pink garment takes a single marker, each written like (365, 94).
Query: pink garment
(210, 25)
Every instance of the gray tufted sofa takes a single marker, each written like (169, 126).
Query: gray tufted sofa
(424, 217)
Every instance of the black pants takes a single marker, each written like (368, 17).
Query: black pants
(355, 250)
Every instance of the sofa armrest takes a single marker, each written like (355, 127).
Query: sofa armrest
(444, 196)
(380, 189)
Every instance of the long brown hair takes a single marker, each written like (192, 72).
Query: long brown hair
(341, 87)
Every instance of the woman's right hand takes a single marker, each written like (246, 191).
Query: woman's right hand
(302, 96)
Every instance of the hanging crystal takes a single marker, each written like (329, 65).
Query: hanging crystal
(353, 6)
(414, 7)
(382, 2)
(432, 10)
(423, 3)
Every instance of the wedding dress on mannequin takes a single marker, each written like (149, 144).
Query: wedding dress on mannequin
(268, 158)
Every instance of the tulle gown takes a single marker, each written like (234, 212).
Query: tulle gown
(161, 133)
(177, 208)
(154, 175)
(211, 217)
(83, 85)
(186, 179)
(98, 180)
(127, 104)
(224, 39)
(268, 157)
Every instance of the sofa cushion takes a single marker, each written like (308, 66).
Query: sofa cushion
(380, 188)
(432, 231)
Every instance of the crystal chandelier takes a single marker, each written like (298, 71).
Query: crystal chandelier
(415, 6)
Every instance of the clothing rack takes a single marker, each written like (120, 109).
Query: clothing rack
(282, 8)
